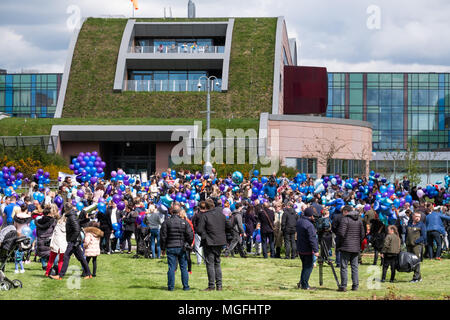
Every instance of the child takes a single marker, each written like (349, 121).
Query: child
(19, 261)
(92, 244)
(257, 239)
(390, 251)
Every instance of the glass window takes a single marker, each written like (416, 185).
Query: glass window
(356, 97)
(372, 97)
(423, 97)
(397, 97)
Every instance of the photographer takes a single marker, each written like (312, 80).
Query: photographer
(175, 233)
(323, 226)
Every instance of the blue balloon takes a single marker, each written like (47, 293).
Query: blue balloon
(101, 207)
(80, 206)
(264, 180)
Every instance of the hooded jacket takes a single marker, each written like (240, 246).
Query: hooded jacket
(58, 242)
(44, 231)
(92, 241)
(350, 233)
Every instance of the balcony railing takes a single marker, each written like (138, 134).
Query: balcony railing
(167, 85)
(177, 49)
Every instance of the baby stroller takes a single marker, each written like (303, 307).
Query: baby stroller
(7, 251)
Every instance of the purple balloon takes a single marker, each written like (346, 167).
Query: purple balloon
(71, 167)
(121, 205)
(96, 164)
(117, 198)
(80, 193)
(83, 164)
(81, 154)
(74, 202)
(113, 174)
(101, 200)
(126, 182)
(20, 176)
(93, 180)
(188, 193)
(119, 192)
(108, 189)
(46, 174)
(173, 196)
(12, 169)
(198, 175)
(102, 164)
(120, 172)
(222, 187)
(88, 154)
(5, 169)
(126, 177)
(367, 207)
(94, 153)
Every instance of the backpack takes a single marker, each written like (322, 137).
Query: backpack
(407, 262)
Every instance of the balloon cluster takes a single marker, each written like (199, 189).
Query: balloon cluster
(30, 231)
(117, 227)
(42, 178)
(88, 167)
(120, 175)
(9, 179)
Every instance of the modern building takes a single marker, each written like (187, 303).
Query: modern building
(408, 112)
(29, 95)
(147, 69)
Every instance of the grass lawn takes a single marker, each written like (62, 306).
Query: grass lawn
(124, 278)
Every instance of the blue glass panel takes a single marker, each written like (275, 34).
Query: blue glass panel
(372, 97)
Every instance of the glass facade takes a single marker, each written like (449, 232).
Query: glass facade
(170, 80)
(403, 108)
(198, 45)
(304, 165)
(29, 95)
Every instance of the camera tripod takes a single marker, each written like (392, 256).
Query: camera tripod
(324, 257)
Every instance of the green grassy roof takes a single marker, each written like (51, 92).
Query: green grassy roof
(90, 88)
(43, 126)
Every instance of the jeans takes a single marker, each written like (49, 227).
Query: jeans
(75, 249)
(174, 255)
(154, 235)
(236, 242)
(307, 268)
(249, 243)
(290, 245)
(434, 236)
(212, 256)
(351, 257)
(264, 237)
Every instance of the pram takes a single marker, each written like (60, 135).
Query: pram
(7, 251)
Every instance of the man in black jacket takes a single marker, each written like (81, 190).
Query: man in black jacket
(334, 228)
(266, 218)
(213, 227)
(288, 225)
(73, 237)
(175, 233)
(350, 235)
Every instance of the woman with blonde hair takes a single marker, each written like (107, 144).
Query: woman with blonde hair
(58, 244)
(390, 251)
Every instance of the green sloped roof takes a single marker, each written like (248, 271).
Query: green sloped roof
(90, 88)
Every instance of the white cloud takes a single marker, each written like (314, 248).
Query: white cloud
(17, 54)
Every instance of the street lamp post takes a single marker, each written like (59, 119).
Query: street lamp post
(207, 168)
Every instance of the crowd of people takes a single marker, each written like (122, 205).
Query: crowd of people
(184, 214)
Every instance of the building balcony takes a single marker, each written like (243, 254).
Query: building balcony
(169, 85)
(177, 49)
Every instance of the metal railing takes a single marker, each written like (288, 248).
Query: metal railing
(166, 85)
(176, 49)
(46, 142)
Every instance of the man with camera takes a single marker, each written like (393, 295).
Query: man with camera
(213, 228)
(175, 235)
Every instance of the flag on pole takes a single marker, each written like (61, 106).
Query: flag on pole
(135, 4)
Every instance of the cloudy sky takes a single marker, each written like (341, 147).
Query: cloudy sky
(343, 35)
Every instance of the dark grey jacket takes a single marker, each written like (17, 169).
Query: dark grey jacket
(213, 227)
(350, 233)
(175, 232)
